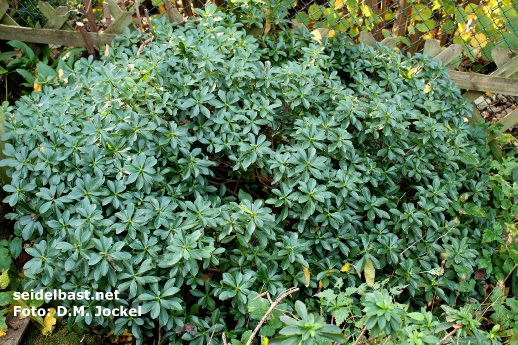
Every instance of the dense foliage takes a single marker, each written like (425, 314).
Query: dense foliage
(211, 165)
(479, 28)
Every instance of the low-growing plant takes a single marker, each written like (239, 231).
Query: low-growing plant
(370, 314)
(200, 168)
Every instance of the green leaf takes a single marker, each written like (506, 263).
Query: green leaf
(258, 308)
(4, 279)
(5, 299)
(474, 210)
(5, 259)
(45, 71)
(25, 48)
(468, 158)
(416, 316)
(427, 25)
(370, 272)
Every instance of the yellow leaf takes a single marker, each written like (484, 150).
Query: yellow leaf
(44, 325)
(445, 254)
(479, 40)
(370, 273)
(339, 4)
(332, 33)
(320, 286)
(49, 322)
(267, 27)
(4, 279)
(128, 335)
(60, 76)
(37, 87)
(307, 275)
(244, 209)
(428, 88)
(506, 293)
(2, 333)
(412, 71)
(345, 268)
(264, 341)
(319, 34)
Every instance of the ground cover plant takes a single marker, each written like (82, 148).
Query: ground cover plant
(197, 169)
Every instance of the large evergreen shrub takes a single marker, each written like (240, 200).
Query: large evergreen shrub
(211, 164)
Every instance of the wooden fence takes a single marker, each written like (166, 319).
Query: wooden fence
(58, 31)
(502, 81)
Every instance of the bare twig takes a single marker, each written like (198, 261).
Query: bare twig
(361, 335)
(403, 252)
(86, 38)
(90, 15)
(146, 42)
(260, 295)
(287, 312)
(148, 20)
(159, 335)
(386, 341)
(139, 20)
(451, 334)
(489, 295)
(107, 14)
(501, 286)
(460, 287)
(212, 335)
(224, 338)
(272, 307)
(434, 242)
(169, 10)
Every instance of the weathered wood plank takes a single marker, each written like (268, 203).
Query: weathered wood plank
(48, 36)
(4, 17)
(114, 8)
(432, 47)
(389, 42)
(58, 20)
(115, 11)
(367, 38)
(49, 12)
(448, 55)
(484, 83)
(4, 6)
(7, 20)
(46, 9)
(507, 122)
(508, 69)
(123, 20)
(499, 56)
